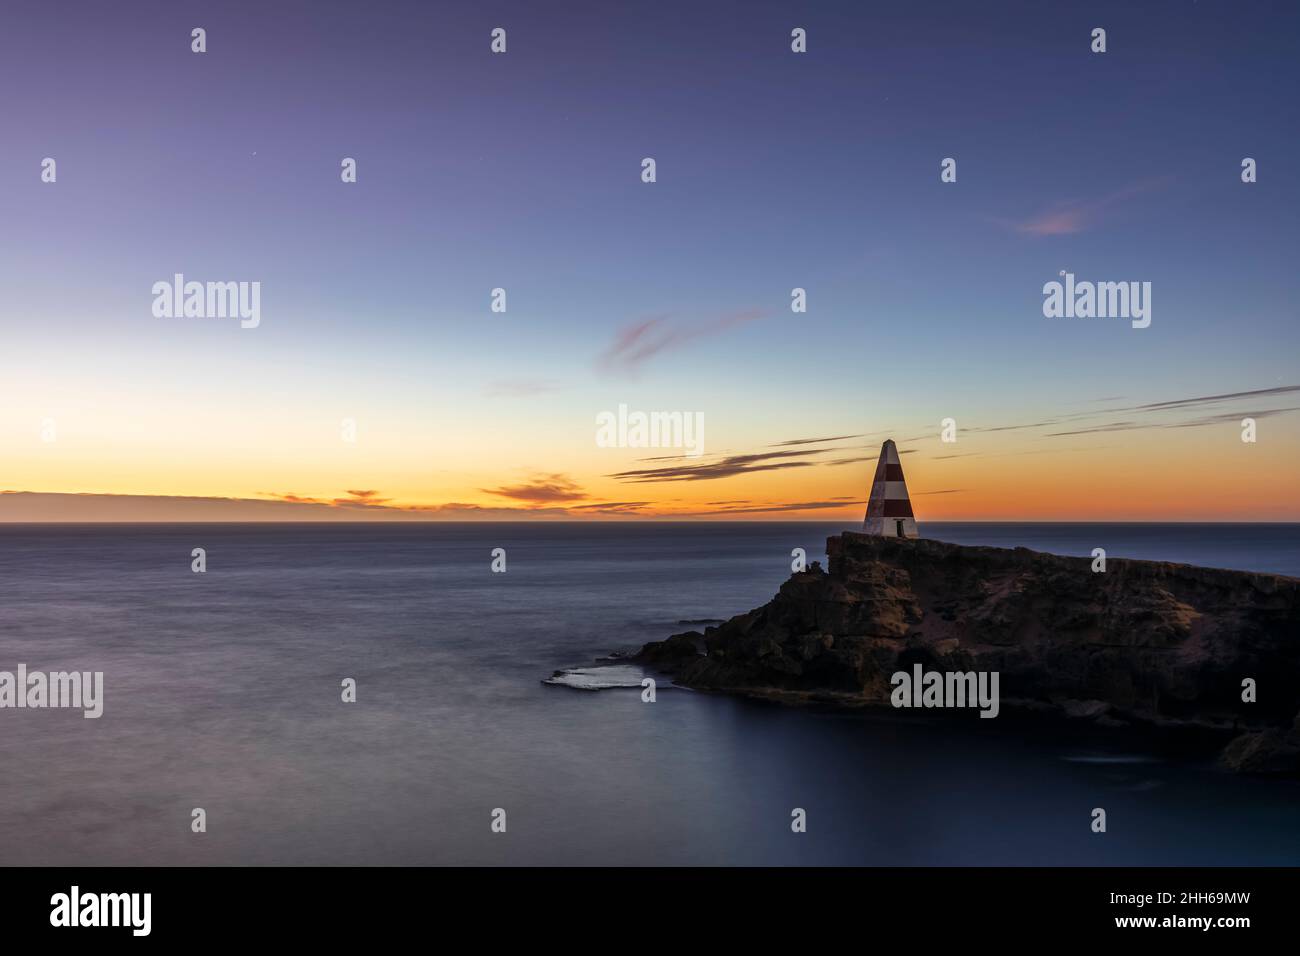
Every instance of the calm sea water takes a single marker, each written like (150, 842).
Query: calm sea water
(223, 692)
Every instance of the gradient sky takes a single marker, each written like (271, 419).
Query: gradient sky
(775, 170)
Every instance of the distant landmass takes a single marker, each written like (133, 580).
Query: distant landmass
(16, 506)
(135, 509)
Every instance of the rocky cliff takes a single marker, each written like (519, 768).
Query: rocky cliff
(1142, 643)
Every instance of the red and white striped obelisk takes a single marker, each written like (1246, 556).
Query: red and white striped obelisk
(889, 510)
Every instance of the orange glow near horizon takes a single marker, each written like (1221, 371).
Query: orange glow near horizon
(269, 423)
(978, 478)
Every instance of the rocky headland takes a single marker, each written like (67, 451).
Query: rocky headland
(1141, 645)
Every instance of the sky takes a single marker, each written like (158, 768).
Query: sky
(774, 170)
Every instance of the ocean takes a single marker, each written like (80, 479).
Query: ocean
(223, 692)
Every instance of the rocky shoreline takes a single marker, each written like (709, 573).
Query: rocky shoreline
(1141, 646)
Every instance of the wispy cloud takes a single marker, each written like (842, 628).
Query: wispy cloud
(1059, 222)
(519, 387)
(812, 441)
(544, 489)
(1202, 421)
(544, 495)
(1210, 399)
(640, 341)
(611, 507)
(726, 468)
(1150, 414)
(775, 509)
(356, 499)
(368, 498)
(1073, 216)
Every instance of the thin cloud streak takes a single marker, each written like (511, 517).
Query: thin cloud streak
(812, 441)
(519, 388)
(1149, 408)
(726, 468)
(774, 509)
(1193, 423)
(637, 343)
(1206, 399)
(1074, 216)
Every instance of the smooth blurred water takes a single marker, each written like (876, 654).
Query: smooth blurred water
(223, 692)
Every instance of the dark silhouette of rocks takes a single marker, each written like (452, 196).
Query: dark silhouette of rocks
(1144, 643)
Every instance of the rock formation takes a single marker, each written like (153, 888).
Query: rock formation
(1144, 643)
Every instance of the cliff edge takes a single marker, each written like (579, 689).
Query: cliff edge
(1142, 643)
